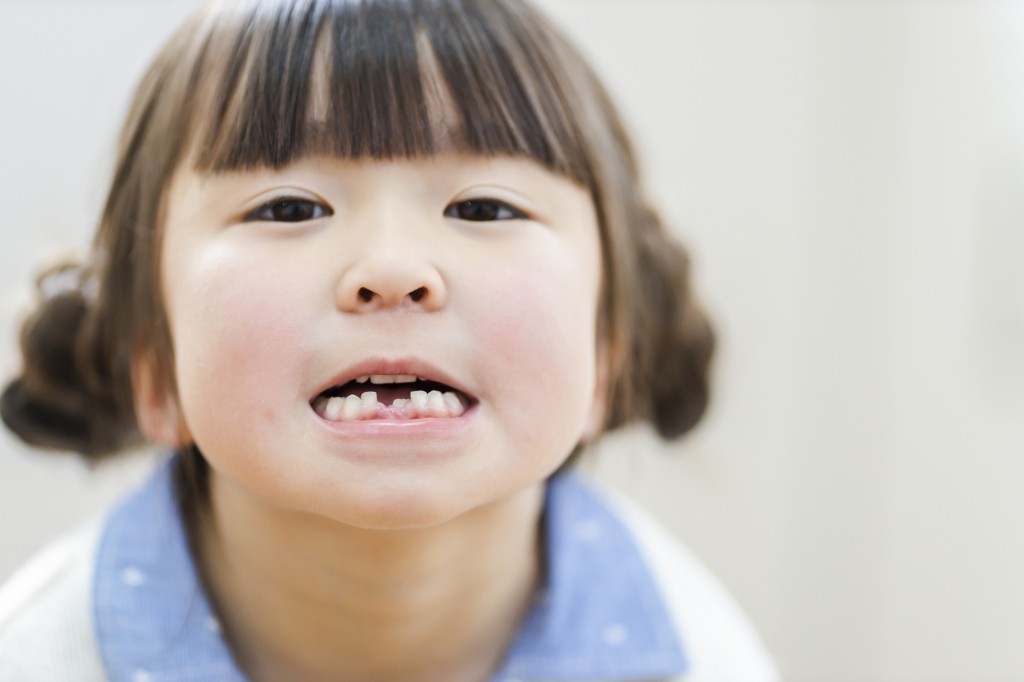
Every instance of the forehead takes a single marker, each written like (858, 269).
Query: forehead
(274, 82)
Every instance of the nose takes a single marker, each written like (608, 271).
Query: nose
(391, 277)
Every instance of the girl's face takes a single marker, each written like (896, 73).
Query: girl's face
(285, 289)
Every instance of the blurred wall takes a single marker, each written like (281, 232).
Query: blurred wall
(850, 178)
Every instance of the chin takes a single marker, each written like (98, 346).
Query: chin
(394, 507)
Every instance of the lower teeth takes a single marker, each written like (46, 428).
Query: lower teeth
(419, 405)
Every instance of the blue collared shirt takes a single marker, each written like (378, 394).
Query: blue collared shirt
(599, 617)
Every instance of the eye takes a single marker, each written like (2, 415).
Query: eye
(480, 210)
(288, 210)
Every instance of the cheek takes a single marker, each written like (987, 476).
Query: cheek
(235, 330)
(539, 333)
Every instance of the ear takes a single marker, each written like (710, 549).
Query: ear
(156, 408)
(599, 404)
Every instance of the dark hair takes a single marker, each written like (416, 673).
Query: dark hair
(256, 83)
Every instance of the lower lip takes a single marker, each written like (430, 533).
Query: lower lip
(384, 429)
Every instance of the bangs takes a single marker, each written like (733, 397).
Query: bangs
(279, 81)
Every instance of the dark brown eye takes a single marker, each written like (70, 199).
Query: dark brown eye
(289, 210)
(481, 210)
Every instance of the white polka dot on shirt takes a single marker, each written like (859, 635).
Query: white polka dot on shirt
(588, 531)
(615, 635)
(141, 676)
(132, 577)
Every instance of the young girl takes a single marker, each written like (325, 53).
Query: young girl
(375, 272)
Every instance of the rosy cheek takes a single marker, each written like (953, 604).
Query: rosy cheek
(236, 328)
(538, 327)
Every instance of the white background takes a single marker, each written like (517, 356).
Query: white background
(850, 177)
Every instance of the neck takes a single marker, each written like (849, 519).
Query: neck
(304, 597)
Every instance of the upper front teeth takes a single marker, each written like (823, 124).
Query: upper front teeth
(387, 379)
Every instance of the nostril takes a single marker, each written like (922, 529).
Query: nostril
(418, 294)
(365, 295)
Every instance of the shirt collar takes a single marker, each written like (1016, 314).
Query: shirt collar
(153, 621)
(599, 617)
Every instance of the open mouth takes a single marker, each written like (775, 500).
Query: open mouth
(392, 397)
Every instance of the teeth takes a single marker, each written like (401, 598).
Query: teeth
(362, 380)
(333, 409)
(351, 408)
(392, 378)
(435, 402)
(452, 402)
(420, 404)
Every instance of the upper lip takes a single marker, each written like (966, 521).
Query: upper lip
(408, 366)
